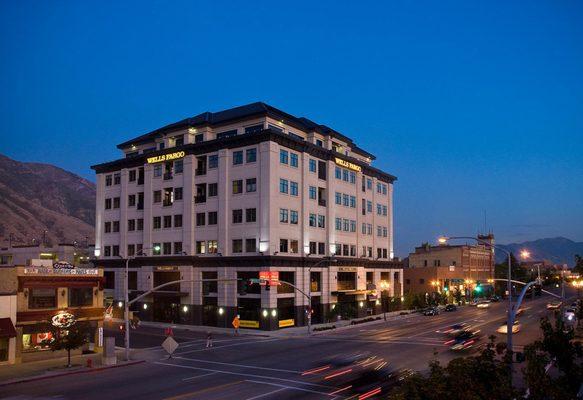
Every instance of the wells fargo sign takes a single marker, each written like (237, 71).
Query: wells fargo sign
(166, 157)
(347, 164)
(248, 324)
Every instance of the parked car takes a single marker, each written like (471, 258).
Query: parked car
(504, 328)
(450, 307)
(431, 311)
(495, 298)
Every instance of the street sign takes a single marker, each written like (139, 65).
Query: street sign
(271, 277)
(170, 345)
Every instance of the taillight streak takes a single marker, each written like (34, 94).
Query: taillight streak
(339, 373)
(316, 370)
(369, 394)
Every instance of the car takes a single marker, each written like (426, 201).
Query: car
(450, 307)
(371, 382)
(570, 315)
(455, 329)
(504, 328)
(431, 311)
(465, 340)
(495, 298)
(483, 305)
(555, 305)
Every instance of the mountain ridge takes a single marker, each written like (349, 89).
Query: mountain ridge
(558, 250)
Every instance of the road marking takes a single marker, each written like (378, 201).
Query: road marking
(228, 345)
(191, 394)
(198, 376)
(266, 394)
(239, 374)
(289, 387)
(189, 344)
(239, 365)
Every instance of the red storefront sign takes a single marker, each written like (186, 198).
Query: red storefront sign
(269, 276)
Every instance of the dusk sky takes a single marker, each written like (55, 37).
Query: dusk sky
(474, 106)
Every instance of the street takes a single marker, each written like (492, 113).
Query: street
(253, 367)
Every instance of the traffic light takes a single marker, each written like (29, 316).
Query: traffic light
(478, 289)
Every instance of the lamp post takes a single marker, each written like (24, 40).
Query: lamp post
(510, 317)
(325, 259)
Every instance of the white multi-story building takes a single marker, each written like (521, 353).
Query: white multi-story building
(226, 195)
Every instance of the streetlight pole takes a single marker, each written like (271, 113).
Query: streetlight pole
(510, 316)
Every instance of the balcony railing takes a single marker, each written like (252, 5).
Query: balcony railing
(200, 199)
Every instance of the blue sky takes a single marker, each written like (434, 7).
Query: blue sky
(473, 105)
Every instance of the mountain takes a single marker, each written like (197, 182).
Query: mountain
(38, 197)
(557, 250)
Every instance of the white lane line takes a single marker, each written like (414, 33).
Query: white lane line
(227, 345)
(266, 394)
(287, 387)
(384, 341)
(198, 376)
(239, 365)
(239, 374)
(182, 345)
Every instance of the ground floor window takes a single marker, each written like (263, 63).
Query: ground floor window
(248, 309)
(4, 342)
(36, 341)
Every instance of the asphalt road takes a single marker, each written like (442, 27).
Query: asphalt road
(252, 367)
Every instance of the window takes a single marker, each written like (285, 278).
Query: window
(80, 297)
(167, 221)
(108, 204)
(116, 178)
(369, 184)
(227, 134)
(322, 170)
(293, 188)
(131, 200)
(213, 217)
(385, 210)
(283, 157)
(345, 175)
(177, 247)
(168, 197)
(250, 215)
(312, 192)
(109, 279)
(140, 205)
(313, 247)
(250, 245)
(115, 251)
(369, 206)
(293, 160)
(283, 248)
(363, 231)
(345, 250)
(379, 188)
(115, 226)
(212, 247)
(313, 220)
(352, 225)
(319, 143)
(167, 247)
(321, 248)
(379, 231)
(352, 201)
(107, 251)
(238, 157)
(312, 165)
(321, 221)
(293, 135)
(200, 247)
(338, 224)
(251, 155)
(107, 227)
(156, 249)
(199, 138)
(200, 166)
(254, 128)
(338, 198)
(251, 185)
(140, 224)
(293, 217)
(116, 202)
(352, 250)
(379, 209)
(42, 298)
(322, 197)
(385, 231)
(132, 175)
(157, 170)
(178, 193)
(200, 193)
(141, 176)
(108, 180)
(384, 189)
(179, 140)
(200, 219)
(237, 216)
(131, 225)
(345, 200)
(213, 189)
(238, 186)
(178, 167)
(436, 263)
(156, 222)
(237, 245)
(283, 215)
(345, 225)
(293, 246)
(157, 196)
(213, 161)
(338, 173)
(283, 186)
(178, 221)
(352, 177)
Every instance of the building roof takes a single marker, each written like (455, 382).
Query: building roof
(249, 110)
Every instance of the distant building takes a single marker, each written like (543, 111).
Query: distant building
(72, 253)
(443, 267)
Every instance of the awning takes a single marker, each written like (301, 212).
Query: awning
(7, 328)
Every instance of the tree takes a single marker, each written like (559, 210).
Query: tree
(578, 268)
(70, 338)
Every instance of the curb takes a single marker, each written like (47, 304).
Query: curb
(85, 371)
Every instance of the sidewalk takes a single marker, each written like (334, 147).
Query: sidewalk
(296, 331)
(38, 370)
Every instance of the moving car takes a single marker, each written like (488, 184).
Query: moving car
(554, 305)
(371, 383)
(570, 315)
(456, 329)
(465, 340)
(431, 311)
(483, 304)
(504, 328)
(450, 307)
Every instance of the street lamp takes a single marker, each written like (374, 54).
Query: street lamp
(509, 319)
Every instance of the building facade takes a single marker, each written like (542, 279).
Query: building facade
(227, 195)
(72, 253)
(42, 289)
(444, 267)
